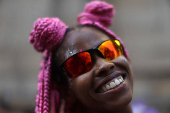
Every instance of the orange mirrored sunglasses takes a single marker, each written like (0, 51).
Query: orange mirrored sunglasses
(81, 62)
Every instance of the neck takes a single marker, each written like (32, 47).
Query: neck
(126, 109)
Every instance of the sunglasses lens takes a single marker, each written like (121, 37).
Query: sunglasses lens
(111, 49)
(78, 64)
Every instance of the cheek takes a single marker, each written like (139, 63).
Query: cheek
(131, 73)
(129, 69)
(81, 86)
(130, 77)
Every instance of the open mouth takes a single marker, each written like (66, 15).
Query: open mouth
(115, 82)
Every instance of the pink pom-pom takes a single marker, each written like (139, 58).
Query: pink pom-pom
(97, 11)
(47, 34)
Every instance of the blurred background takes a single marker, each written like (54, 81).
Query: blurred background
(143, 25)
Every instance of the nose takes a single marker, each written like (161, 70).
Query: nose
(103, 66)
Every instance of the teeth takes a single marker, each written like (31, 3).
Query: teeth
(117, 82)
(112, 84)
(104, 89)
(120, 80)
(107, 87)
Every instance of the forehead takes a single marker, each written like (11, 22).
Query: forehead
(78, 40)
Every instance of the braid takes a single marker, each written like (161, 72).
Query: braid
(43, 96)
(47, 76)
(39, 99)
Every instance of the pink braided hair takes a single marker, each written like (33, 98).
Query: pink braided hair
(48, 33)
(97, 11)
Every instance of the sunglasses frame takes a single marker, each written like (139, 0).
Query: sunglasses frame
(90, 51)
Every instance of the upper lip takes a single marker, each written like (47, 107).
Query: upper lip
(108, 78)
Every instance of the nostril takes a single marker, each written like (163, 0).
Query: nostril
(103, 70)
(102, 73)
(112, 67)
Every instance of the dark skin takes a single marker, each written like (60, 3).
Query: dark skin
(84, 88)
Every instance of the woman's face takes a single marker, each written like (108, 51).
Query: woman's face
(90, 88)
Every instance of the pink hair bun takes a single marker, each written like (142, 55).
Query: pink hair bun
(47, 33)
(97, 11)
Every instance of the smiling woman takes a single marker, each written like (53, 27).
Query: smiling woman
(85, 69)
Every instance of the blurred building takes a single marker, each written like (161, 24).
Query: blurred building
(143, 25)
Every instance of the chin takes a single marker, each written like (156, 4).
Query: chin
(119, 104)
(122, 104)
